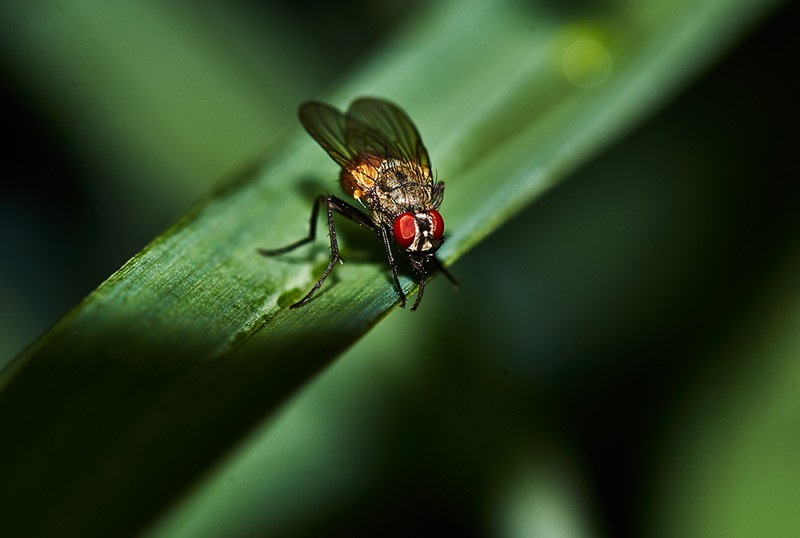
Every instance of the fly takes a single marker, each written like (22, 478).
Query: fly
(386, 168)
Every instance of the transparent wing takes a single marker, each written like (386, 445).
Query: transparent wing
(377, 127)
(326, 125)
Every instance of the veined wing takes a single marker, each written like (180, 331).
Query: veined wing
(378, 127)
(326, 125)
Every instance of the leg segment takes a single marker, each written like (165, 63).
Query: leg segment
(312, 233)
(392, 265)
(438, 265)
(445, 272)
(332, 203)
(421, 289)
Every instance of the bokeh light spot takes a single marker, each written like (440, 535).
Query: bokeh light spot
(586, 63)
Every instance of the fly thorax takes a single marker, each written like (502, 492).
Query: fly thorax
(401, 185)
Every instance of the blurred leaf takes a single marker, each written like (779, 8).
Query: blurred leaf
(728, 452)
(125, 402)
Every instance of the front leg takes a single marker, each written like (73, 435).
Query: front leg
(392, 265)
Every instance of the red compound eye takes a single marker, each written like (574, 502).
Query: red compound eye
(405, 229)
(438, 224)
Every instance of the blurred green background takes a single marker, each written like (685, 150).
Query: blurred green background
(622, 358)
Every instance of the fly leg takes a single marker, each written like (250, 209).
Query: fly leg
(312, 233)
(421, 289)
(392, 265)
(441, 268)
(332, 203)
(445, 272)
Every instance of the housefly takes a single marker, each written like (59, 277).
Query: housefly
(386, 168)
